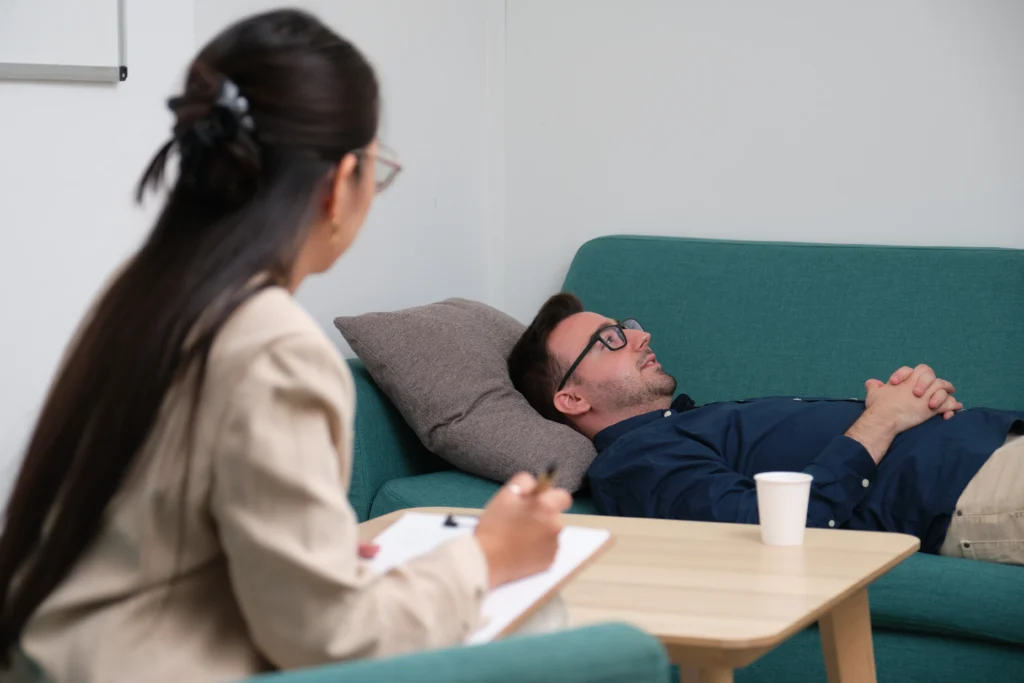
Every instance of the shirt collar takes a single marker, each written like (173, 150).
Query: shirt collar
(609, 435)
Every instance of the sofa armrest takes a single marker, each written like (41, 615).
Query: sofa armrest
(608, 653)
(384, 446)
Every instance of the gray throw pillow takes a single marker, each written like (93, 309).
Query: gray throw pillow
(443, 365)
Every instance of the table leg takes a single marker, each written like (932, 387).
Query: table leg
(693, 674)
(846, 641)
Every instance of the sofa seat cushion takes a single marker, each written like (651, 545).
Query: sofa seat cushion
(951, 597)
(900, 657)
(451, 488)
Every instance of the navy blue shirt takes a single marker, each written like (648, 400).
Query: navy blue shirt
(699, 463)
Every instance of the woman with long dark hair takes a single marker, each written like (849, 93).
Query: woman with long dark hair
(181, 511)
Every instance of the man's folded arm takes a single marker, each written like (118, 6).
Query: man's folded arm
(692, 482)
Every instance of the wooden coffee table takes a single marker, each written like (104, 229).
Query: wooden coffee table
(718, 599)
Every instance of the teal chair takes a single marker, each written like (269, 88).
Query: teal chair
(607, 653)
(611, 653)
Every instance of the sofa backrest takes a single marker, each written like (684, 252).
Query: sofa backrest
(736, 320)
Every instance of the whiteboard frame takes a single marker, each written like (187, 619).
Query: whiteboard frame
(14, 71)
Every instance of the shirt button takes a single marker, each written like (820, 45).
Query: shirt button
(865, 483)
(832, 523)
(668, 413)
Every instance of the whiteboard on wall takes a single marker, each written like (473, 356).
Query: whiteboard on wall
(66, 40)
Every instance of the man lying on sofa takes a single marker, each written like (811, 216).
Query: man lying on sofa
(906, 459)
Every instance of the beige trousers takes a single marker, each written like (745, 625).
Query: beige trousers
(988, 523)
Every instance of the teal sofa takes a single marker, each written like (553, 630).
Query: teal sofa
(742, 319)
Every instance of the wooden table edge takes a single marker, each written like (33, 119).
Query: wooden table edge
(733, 647)
(771, 641)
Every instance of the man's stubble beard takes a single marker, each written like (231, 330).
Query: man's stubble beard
(623, 395)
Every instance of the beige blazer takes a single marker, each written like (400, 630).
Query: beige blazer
(267, 573)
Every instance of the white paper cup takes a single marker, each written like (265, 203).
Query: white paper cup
(782, 499)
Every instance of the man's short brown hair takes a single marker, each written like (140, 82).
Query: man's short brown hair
(534, 371)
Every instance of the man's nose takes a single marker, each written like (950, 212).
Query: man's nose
(640, 340)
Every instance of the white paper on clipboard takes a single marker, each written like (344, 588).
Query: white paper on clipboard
(416, 533)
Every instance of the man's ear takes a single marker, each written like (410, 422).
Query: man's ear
(569, 402)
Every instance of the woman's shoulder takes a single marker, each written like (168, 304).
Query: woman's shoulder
(271, 312)
(271, 322)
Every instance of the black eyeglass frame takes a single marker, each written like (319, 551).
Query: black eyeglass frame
(627, 324)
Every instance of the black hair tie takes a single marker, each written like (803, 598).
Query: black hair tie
(227, 118)
(219, 152)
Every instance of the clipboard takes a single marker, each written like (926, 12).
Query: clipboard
(507, 607)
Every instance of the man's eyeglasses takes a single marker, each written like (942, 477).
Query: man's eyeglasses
(385, 168)
(612, 336)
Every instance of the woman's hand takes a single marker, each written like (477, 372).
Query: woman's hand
(518, 530)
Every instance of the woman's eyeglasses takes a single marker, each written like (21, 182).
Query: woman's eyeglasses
(385, 167)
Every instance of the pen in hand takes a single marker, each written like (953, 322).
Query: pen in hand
(546, 480)
(519, 530)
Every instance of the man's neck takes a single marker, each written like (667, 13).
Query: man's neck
(598, 422)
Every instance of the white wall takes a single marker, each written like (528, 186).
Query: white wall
(73, 152)
(526, 133)
(880, 122)
(430, 236)
(71, 156)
